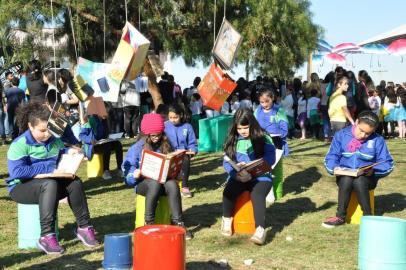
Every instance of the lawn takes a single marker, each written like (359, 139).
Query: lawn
(310, 196)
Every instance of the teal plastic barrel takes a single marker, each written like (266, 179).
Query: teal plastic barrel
(382, 243)
(29, 228)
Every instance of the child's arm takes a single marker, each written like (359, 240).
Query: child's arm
(382, 154)
(333, 156)
(283, 123)
(86, 134)
(132, 163)
(269, 151)
(192, 144)
(229, 169)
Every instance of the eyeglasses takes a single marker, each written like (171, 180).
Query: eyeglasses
(155, 135)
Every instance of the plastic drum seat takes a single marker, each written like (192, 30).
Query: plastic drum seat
(354, 211)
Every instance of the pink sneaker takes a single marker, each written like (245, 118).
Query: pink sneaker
(87, 236)
(185, 192)
(49, 244)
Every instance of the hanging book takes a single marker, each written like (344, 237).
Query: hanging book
(130, 55)
(227, 42)
(80, 88)
(161, 167)
(215, 87)
(57, 121)
(156, 64)
(95, 106)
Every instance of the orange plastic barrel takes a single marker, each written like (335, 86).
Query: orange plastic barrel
(159, 247)
(244, 221)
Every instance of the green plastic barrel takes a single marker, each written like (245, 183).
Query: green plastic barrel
(382, 243)
(206, 135)
(277, 181)
(213, 132)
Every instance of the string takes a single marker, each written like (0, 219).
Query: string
(104, 30)
(73, 32)
(126, 12)
(53, 38)
(139, 15)
(225, 4)
(214, 26)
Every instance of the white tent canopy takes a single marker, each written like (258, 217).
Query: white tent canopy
(387, 37)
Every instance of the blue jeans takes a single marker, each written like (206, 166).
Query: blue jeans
(326, 121)
(2, 122)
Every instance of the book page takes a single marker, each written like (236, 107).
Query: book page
(69, 163)
(151, 166)
(116, 136)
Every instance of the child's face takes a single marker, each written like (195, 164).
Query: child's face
(155, 137)
(343, 85)
(40, 131)
(243, 131)
(174, 118)
(266, 102)
(363, 130)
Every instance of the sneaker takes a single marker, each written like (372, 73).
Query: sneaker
(185, 192)
(270, 198)
(259, 236)
(127, 136)
(333, 222)
(87, 236)
(106, 175)
(188, 234)
(49, 244)
(226, 223)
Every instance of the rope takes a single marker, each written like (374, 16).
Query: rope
(126, 11)
(104, 30)
(214, 26)
(225, 4)
(139, 15)
(73, 32)
(53, 37)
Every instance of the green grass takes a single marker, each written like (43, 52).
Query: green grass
(310, 196)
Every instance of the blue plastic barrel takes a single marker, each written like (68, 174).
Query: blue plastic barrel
(382, 243)
(117, 251)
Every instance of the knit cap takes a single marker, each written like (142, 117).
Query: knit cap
(152, 123)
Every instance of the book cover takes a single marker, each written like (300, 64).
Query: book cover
(354, 172)
(161, 167)
(57, 122)
(257, 167)
(95, 105)
(67, 167)
(156, 64)
(80, 88)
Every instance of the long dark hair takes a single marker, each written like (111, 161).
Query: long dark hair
(179, 110)
(244, 117)
(32, 112)
(35, 69)
(163, 144)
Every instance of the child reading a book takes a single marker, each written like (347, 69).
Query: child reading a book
(247, 142)
(153, 138)
(92, 132)
(272, 118)
(181, 136)
(354, 147)
(37, 152)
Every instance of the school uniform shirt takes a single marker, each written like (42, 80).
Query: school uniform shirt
(132, 162)
(312, 105)
(196, 107)
(335, 111)
(301, 106)
(181, 136)
(245, 103)
(372, 150)
(287, 104)
(274, 122)
(27, 158)
(93, 129)
(244, 152)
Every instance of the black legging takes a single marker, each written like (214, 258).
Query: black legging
(106, 149)
(131, 119)
(258, 190)
(185, 172)
(151, 189)
(361, 185)
(47, 193)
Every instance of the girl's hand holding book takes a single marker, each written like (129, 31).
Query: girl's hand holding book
(243, 176)
(137, 173)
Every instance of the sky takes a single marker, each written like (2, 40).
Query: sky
(342, 21)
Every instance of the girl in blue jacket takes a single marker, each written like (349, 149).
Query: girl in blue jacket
(37, 152)
(354, 147)
(272, 118)
(247, 142)
(153, 138)
(182, 137)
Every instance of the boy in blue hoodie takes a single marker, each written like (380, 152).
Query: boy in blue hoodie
(182, 137)
(354, 147)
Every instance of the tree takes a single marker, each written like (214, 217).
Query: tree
(277, 34)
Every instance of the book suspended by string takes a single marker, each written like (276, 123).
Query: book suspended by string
(80, 88)
(95, 106)
(156, 64)
(96, 76)
(161, 167)
(57, 121)
(130, 55)
(215, 87)
(226, 45)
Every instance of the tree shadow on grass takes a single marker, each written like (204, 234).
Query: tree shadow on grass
(210, 265)
(301, 181)
(202, 216)
(283, 214)
(208, 182)
(389, 203)
(71, 261)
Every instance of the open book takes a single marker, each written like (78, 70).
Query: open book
(67, 167)
(161, 167)
(112, 137)
(354, 172)
(256, 167)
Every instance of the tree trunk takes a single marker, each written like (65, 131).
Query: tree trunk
(152, 84)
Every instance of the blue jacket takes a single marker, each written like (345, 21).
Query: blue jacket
(94, 129)
(27, 158)
(132, 162)
(372, 150)
(245, 153)
(274, 122)
(69, 137)
(181, 136)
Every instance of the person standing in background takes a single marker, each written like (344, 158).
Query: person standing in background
(131, 102)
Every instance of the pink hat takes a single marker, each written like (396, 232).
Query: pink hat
(152, 123)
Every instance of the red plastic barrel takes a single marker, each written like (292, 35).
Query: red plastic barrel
(159, 247)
